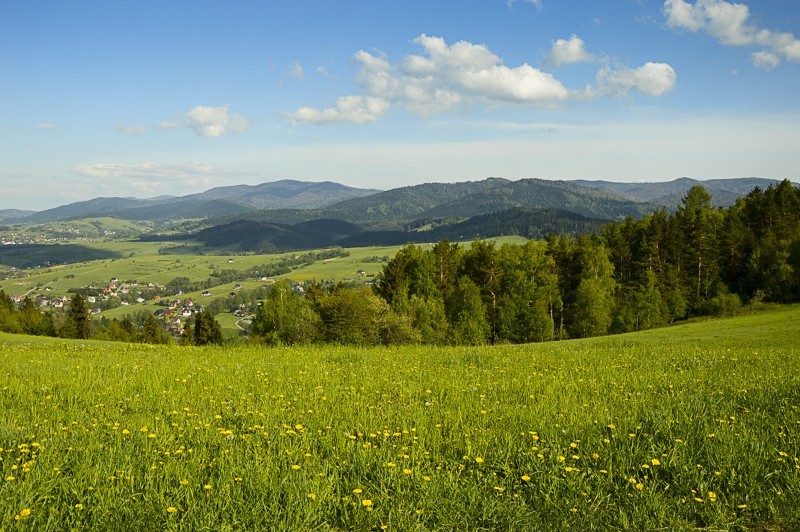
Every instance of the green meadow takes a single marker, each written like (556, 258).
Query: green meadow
(688, 427)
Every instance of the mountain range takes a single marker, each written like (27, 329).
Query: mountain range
(289, 215)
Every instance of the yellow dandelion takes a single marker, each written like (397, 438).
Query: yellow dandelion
(525, 478)
(79, 506)
(25, 512)
(295, 467)
(357, 491)
(406, 471)
(712, 496)
(207, 486)
(639, 486)
(366, 502)
(742, 506)
(312, 496)
(426, 478)
(172, 509)
(479, 460)
(655, 462)
(184, 482)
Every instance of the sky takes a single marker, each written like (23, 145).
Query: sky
(144, 99)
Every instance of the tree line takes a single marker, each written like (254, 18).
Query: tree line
(632, 275)
(635, 274)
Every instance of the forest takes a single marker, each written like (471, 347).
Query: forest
(631, 275)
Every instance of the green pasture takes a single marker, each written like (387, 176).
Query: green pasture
(693, 427)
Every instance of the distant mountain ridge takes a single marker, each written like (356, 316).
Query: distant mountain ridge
(724, 192)
(216, 202)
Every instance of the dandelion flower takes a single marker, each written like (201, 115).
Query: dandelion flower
(312, 496)
(479, 460)
(655, 461)
(357, 491)
(79, 506)
(366, 502)
(525, 478)
(406, 471)
(172, 509)
(295, 467)
(207, 487)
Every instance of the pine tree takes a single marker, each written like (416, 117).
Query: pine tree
(206, 329)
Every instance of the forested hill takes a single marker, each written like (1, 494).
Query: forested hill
(390, 209)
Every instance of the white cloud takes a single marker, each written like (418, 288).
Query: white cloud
(146, 178)
(654, 79)
(166, 124)
(537, 3)
(568, 51)
(730, 24)
(147, 169)
(296, 71)
(766, 60)
(213, 122)
(447, 78)
(133, 131)
(348, 110)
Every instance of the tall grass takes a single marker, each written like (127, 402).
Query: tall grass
(680, 428)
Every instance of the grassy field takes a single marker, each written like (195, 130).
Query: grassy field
(689, 427)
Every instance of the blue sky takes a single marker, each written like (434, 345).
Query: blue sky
(152, 98)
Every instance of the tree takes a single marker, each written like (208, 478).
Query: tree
(206, 329)
(353, 317)
(78, 322)
(480, 265)
(283, 317)
(529, 293)
(593, 305)
(153, 332)
(466, 314)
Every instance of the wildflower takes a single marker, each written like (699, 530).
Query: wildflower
(207, 487)
(357, 491)
(295, 467)
(366, 502)
(172, 509)
(639, 486)
(525, 478)
(655, 462)
(184, 482)
(712, 496)
(406, 471)
(79, 506)
(479, 460)
(312, 496)
(426, 478)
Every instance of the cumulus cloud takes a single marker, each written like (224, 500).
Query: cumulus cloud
(766, 60)
(653, 79)
(565, 51)
(730, 24)
(443, 79)
(446, 78)
(213, 122)
(348, 109)
(133, 131)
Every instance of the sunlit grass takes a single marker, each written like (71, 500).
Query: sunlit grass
(677, 428)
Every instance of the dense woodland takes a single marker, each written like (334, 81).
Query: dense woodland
(631, 275)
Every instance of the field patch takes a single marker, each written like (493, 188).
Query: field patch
(687, 427)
